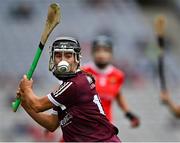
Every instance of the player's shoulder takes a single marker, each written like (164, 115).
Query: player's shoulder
(117, 72)
(82, 79)
(66, 85)
(87, 67)
(78, 79)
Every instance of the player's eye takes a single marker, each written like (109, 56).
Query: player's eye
(68, 55)
(58, 54)
(107, 50)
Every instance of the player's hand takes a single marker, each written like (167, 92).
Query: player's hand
(134, 120)
(165, 97)
(25, 84)
(18, 95)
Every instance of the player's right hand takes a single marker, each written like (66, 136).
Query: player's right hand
(25, 85)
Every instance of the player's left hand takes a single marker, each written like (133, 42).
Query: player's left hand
(134, 120)
(25, 84)
(18, 95)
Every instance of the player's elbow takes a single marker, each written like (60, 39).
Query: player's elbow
(52, 128)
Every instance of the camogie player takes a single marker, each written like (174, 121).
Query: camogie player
(160, 29)
(109, 79)
(75, 103)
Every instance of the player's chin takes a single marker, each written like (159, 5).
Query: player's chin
(102, 64)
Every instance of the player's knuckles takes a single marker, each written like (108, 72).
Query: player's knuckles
(136, 123)
(21, 84)
(24, 77)
(21, 93)
(31, 81)
(25, 83)
(18, 94)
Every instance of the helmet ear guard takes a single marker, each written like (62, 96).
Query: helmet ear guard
(51, 59)
(51, 64)
(78, 58)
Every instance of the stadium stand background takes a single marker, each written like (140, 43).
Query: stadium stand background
(129, 22)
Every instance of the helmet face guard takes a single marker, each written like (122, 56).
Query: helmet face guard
(64, 45)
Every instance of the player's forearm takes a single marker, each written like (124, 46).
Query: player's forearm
(124, 107)
(31, 99)
(123, 103)
(45, 120)
(38, 104)
(128, 114)
(174, 108)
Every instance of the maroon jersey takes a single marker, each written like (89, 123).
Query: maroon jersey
(80, 113)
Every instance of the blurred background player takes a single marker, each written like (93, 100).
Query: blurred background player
(160, 28)
(109, 79)
(130, 21)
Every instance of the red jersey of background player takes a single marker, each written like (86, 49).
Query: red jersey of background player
(80, 113)
(108, 83)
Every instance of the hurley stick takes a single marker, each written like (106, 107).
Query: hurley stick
(160, 26)
(52, 21)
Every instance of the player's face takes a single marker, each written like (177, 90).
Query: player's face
(102, 55)
(68, 57)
